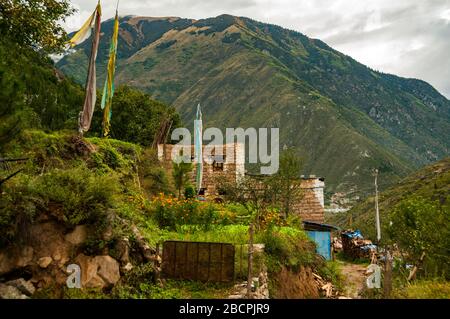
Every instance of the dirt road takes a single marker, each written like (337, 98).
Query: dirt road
(354, 279)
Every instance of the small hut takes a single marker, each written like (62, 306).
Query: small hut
(321, 235)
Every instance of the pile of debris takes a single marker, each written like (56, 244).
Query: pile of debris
(325, 287)
(355, 246)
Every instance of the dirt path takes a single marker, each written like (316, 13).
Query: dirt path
(355, 278)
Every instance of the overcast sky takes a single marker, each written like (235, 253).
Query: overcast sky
(410, 38)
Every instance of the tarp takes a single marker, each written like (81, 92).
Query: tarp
(355, 234)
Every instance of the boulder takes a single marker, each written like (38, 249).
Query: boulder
(49, 240)
(15, 257)
(108, 269)
(89, 277)
(44, 262)
(98, 272)
(77, 236)
(26, 287)
(10, 292)
(25, 257)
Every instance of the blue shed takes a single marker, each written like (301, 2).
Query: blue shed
(321, 235)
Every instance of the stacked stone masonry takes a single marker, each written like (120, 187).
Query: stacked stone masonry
(227, 163)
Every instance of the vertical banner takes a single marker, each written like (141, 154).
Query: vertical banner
(108, 89)
(198, 152)
(84, 120)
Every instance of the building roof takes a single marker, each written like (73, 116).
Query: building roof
(318, 226)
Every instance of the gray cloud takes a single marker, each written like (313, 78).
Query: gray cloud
(409, 38)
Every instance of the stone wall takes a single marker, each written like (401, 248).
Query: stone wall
(310, 205)
(221, 163)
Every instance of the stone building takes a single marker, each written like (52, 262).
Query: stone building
(311, 206)
(217, 166)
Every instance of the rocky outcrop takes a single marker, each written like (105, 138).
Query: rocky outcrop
(15, 257)
(78, 235)
(49, 246)
(26, 287)
(16, 289)
(98, 272)
(46, 255)
(10, 292)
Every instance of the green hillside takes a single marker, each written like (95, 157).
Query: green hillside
(343, 117)
(414, 215)
(431, 183)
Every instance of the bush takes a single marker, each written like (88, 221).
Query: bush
(74, 196)
(288, 247)
(412, 225)
(136, 117)
(189, 192)
(171, 213)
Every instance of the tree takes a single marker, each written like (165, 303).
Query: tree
(28, 83)
(419, 227)
(10, 101)
(287, 180)
(135, 116)
(35, 23)
(255, 193)
(180, 173)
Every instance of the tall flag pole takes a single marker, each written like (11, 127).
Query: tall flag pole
(377, 210)
(85, 117)
(108, 89)
(198, 136)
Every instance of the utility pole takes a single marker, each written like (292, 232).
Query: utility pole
(377, 211)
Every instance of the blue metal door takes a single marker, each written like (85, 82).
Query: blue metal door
(323, 243)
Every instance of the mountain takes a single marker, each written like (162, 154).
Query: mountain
(344, 118)
(431, 183)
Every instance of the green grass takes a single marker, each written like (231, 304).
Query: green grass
(233, 234)
(430, 289)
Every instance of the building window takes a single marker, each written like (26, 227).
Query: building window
(202, 191)
(217, 166)
(218, 161)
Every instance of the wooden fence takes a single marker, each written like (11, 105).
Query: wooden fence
(201, 261)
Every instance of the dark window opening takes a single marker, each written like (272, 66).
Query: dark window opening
(217, 166)
(202, 191)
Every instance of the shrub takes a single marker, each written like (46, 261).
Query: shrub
(412, 225)
(189, 192)
(171, 212)
(287, 247)
(74, 196)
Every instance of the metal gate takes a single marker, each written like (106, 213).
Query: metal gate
(198, 261)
